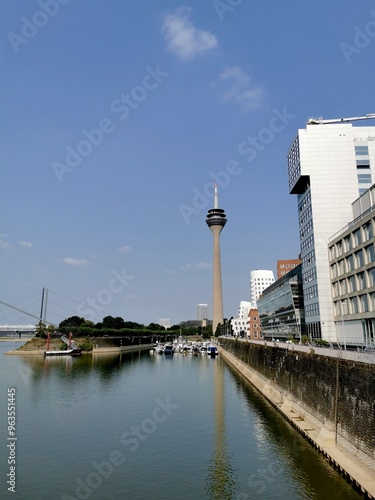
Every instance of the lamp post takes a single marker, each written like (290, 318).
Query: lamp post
(342, 302)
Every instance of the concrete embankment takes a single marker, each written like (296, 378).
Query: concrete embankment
(323, 436)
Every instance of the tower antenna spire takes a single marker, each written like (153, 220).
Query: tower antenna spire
(216, 198)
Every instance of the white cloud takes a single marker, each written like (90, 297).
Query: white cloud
(183, 38)
(131, 296)
(124, 249)
(241, 89)
(25, 243)
(75, 262)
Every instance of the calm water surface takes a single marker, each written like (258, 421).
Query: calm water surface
(142, 426)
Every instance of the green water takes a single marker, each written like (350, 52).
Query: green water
(142, 426)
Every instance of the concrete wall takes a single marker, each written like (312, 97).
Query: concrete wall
(330, 400)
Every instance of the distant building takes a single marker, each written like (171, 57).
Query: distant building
(239, 323)
(254, 329)
(166, 322)
(280, 308)
(259, 280)
(202, 312)
(284, 266)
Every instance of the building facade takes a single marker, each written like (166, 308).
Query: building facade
(239, 323)
(280, 308)
(284, 266)
(202, 312)
(254, 330)
(259, 280)
(352, 266)
(329, 166)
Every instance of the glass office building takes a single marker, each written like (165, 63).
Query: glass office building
(280, 308)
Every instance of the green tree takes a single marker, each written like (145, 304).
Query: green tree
(71, 322)
(155, 327)
(111, 322)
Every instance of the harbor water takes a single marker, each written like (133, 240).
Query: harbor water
(149, 426)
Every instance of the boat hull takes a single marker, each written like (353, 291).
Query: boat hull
(65, 352)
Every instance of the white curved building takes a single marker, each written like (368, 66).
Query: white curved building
(260, 279)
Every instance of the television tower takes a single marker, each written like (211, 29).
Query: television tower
(216, 220)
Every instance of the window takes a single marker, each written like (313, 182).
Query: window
(359, 258)
(370, 254)
(347, 243)
(349, 263)
(367, 231)
(364, 304)
(353, 305)
(351, 284)
(361, 281)
(371, 276)
(357, 237)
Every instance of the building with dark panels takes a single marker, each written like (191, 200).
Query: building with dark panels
(280, 308)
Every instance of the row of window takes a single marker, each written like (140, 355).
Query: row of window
(311, 292)
(309, 275)
(308, 258)
(355, 283)
(305, 216)
(359, 236)
(361, 150)
(306, 229)
(307, 243)
(304, 201)
(312, 310)
(355, 305)
(354, 261)
(294, 168)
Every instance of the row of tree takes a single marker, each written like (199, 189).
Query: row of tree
(117, 326)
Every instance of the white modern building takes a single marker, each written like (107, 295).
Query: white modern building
(330, 163)
(165, 322)
(202, 312)
(259, 280)
(239, 323)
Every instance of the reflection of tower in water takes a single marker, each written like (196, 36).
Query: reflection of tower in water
(220, 473)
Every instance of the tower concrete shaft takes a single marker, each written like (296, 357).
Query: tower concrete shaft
(216, 220)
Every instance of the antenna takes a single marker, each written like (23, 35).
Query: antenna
(320, 121)
(216, 200)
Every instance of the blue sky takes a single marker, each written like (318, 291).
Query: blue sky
(117, 117)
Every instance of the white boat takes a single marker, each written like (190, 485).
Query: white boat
(159, 349)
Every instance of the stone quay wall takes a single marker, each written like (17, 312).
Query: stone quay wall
(329, 400)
